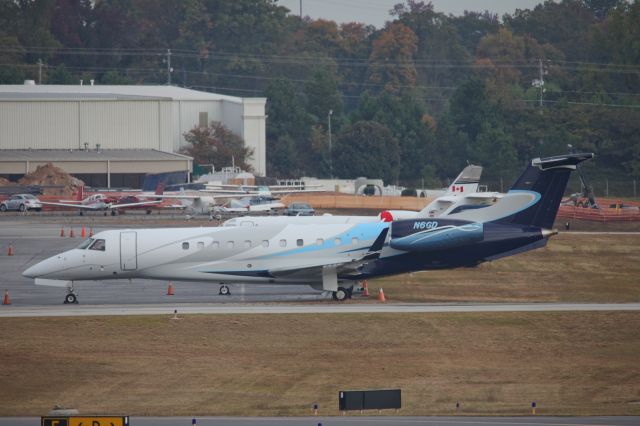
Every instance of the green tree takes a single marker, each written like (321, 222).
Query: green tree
(217, 145)
(60, 75)
(115, 78)
(366, 149)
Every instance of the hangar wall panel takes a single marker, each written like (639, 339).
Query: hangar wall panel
(120, 124)
(13, 167)
(165, 127)
(149, 166)
(232, 115)
(38, 125)
(189, 116)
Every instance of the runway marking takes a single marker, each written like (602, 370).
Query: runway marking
(183, 309)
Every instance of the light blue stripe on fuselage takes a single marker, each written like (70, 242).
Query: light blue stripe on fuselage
(362, 231)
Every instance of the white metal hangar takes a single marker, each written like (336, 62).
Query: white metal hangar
(115, 118)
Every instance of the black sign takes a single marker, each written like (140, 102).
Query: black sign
(370, 400)
(54, 421)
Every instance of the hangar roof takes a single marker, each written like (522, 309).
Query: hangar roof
(7, 155)
(28, 92)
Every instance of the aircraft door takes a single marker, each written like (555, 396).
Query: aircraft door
(128, 251)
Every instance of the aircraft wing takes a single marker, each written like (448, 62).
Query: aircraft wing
(177, 196)
(75, 206)
(142, 203)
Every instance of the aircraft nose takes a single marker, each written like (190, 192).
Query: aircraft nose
(39, 269)
(32, 272)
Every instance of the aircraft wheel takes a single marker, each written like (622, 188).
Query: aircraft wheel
(70, 298)
(341, 294)
(224, 291)
(113, 212)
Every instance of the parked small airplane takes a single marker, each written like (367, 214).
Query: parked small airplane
(459, 196)
(329, 257)
(246, 205)
(103, 202)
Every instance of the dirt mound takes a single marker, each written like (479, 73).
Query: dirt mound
(50, 175)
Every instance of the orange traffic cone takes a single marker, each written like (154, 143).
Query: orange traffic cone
(10, 251)
(5, 299)
(170, 289)
(83, 233)
(365, 288)
(91, 232)
(62, 231)
(381, 297)
(71, 234)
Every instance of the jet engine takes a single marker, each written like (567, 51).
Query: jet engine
(427, 235)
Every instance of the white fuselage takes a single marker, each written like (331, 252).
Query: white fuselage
(223, 254)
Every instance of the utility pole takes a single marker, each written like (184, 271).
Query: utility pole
(541, 77)
(40, 71)
(300, 9)
(169, 67)
(330, 147)
(539, 82)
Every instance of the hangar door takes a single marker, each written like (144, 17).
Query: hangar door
(128, 251)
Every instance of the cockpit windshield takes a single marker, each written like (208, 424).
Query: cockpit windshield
(98, 245)
(86, 243)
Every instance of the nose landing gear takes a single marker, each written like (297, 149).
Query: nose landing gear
(71, 296)
(224, 291)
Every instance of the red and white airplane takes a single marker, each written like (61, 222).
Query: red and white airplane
(103, 202)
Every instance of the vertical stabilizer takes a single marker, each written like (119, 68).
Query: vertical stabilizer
(546, 180)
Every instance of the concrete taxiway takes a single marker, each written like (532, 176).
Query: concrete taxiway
(164, 309)
(352, 420)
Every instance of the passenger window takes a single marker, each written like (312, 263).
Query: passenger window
(354, 241)
(185, 246)
(215, 244)
(98, 245)
(247, 244)
(265, 243)
(200, 245)
(320, 241)
(338, 241)
(230, 244)
(299, 242)
(283, 243)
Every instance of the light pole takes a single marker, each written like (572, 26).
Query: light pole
(330, 147)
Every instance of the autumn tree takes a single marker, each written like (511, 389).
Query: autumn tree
(391, 61)
(217, 145)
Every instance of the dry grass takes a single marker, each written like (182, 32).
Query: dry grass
(576, 363)
(572, 268)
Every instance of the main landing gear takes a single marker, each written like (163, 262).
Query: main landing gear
(224, 291)
(342, 294)
(71, 296)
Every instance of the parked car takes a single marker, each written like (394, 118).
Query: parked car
(299, 209)
(21, 202)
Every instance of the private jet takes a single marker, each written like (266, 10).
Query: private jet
(328, 257)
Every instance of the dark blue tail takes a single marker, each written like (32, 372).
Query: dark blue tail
(547, 177)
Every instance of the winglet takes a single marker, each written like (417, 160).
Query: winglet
(376, 247)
